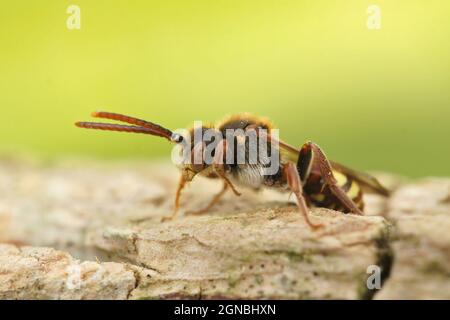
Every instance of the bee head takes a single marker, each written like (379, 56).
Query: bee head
(198, 150)
(193, 144)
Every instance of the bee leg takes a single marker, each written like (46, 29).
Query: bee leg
(212, 203)
(181, 185)
(295, 184)
(327, 174)
(198, 165)
(218, 166)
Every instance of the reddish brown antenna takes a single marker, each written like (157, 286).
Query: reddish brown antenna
(138, 126)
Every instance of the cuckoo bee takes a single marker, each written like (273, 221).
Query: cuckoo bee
(306, 172)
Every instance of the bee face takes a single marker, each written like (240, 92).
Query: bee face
(193, 150)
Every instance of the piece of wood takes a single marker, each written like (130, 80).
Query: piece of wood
(253, 246)
(270, 253)
(421, 241)
(45, 273)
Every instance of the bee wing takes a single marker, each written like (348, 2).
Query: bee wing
(288, 152)
(367, 182)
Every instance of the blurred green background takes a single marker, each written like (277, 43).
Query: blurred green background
(373, 99)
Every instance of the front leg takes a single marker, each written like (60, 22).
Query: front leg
(181, 185)
(188, 175)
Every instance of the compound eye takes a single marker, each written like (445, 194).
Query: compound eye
(177, 138)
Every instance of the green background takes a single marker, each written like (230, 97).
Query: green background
(373, 99)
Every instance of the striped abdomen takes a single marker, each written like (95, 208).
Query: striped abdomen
(320, 195)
